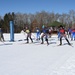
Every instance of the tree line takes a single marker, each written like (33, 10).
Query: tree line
(35, 20)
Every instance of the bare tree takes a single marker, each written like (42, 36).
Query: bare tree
(72, 16)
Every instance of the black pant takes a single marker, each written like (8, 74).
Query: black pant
(46, 38)
(29, 36)
(61, 36)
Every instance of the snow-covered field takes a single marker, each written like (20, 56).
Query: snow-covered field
(17, 58)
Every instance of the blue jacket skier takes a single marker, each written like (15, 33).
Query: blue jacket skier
(69, 32)
(45, 32)
(73, 34)
(37, 34)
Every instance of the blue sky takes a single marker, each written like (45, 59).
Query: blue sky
(33, 6)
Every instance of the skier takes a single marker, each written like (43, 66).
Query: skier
(58, 33)
(1, 35)
(45, 32)
(69, 32)
(73, 34)
(37, 33)
(62, 34)
(28, 31)
(50, 32)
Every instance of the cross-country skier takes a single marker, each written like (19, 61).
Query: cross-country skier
(50, 32)
(69, 32)
(62, 34)
(73, 34)
(58, 33)
(37, 33)
(28, 31)
(45, 32)
(1, 35)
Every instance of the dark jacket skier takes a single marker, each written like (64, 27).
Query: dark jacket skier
(62, 34)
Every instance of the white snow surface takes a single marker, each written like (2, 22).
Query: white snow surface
(17, 58)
